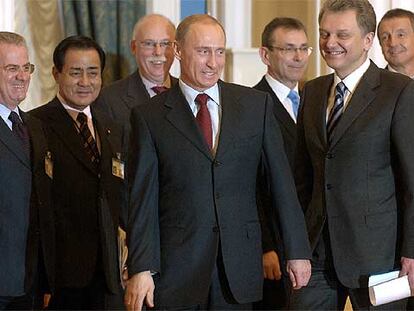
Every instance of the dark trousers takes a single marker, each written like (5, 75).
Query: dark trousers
(219, 296)
(25, 302)
(274, 295)
(94, 296)
(325, 292)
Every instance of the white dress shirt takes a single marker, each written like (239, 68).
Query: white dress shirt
(213, 105)
(282, 92)
(5, 113)
(351, 82)
(149, 85)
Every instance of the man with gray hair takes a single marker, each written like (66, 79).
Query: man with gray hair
(354, 165)
(151, 45)
(26, 222)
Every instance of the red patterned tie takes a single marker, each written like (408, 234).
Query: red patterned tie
(203, 118)
(159, 89)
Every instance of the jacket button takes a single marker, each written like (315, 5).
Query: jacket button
(329, 156)
(329, 186)
(217, 163)
(215, 229)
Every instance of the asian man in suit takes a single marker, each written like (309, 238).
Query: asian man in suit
(354, 168)
(195, 154)
(26, 222)
(88, 181)
(285, 51)
(151, 45)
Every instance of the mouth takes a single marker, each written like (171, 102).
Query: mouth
(157, 62)
(19, 86)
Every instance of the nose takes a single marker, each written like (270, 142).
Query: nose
(84, 79)
(157, 49)
(211, 61)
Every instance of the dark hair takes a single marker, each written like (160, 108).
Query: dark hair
(365, 14)
(76, 43)
(397, 13)
(280, 22)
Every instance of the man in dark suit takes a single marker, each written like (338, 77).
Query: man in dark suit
(396, 37)
(152, 46)
(355, 135)
(285, 52)
(26, 222)
(195, 154)
(87, 162)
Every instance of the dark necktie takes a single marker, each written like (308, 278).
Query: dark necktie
(294, 98)
(159, 89)
(337, 109)
(88, 141)
(203, 118)
(20, 130)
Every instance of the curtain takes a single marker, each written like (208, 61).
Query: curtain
(110, 23)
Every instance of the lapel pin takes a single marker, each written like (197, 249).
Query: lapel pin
(108, 131)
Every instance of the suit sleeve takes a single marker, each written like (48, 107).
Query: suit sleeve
(282, 187)
(143, 228)
(402, 136)
(303, 171)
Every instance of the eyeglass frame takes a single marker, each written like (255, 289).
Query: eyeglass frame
(292, 50)
(13, 69)
(152, 44)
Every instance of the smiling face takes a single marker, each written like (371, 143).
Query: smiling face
(396, 37)
(202, 55)
(287, 68)
(13, 86)
(343, 45)
(154, 61)
(80, 80)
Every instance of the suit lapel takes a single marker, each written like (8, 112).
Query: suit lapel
(182, 118)
(362, 97)
(105, 135)
(12, 142)
(230, 113)
(136, 89)
(281, 114)
(63, 125)
(37, 140)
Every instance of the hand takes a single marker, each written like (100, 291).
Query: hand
(139, 287)
(407, 268)
(299, 271)
(271, 267)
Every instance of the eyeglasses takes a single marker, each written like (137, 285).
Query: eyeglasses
(151, 44)
(290, 51)
(15, 69)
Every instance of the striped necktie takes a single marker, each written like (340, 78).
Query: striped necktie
(337, 109)
(88, 141)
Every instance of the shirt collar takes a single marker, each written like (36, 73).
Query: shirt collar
(72, 111)
(281, 90)
(5, 113)
(352, 80)
(149, 84)
(190, 94)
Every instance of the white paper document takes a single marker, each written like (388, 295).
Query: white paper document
(388, 287)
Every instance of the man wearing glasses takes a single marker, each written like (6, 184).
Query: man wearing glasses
(285, 51)
(26, 217)
(151, 45)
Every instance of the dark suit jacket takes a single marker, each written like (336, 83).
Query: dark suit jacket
(120, 97)
(270, 237)
(351, 182)
(25, 203)
(185, 204)
(87, 200)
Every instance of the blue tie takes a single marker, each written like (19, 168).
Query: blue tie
(337, 109)
(294, 98)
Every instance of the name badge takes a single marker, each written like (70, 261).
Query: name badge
(118, 166)
(49, 165)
